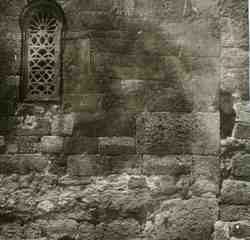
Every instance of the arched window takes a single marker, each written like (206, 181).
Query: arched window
(42, 23)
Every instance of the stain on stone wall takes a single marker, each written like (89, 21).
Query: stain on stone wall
(133, 151)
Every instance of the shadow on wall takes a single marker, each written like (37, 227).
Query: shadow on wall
(227, 114)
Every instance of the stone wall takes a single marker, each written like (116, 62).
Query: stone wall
(133, 151)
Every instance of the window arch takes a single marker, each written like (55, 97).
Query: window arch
(43, 25)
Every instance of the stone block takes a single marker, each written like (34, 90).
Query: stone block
(170, 165)
(206, 167)
(234, 57)
(106, 124)
(235, 80)
(62, 125)
(178, 133)
(221, 231)
(52, 144)
(80, 144)
(118, 164)
(26, 144)
(33, 126)
(82, 165)
(205, 83)
(77, 67)
(233, 32)
(241, 166)
(116, 145)
(193, 218)
(83, 102)
(202, 38)
(22, 163)
(61, 227)
(235, 192)
(231, 213)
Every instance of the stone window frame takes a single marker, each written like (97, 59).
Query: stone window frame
(49, 8)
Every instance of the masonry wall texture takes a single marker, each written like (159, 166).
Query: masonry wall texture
(133, 152)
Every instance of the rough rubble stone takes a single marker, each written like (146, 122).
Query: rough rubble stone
(193, 218)
(229, 213)
(235, 192)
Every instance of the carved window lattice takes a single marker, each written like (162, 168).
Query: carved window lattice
(41, 64)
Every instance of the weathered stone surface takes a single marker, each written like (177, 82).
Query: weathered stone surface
(106, 124)
(52, 144)
(234, 57)
(82, 165)
(118, 164)
(241, 166)
(235, 192)
(221, 231)
(22, 163)
(77, 67)
(171, 164)
(119, 229)
(25, 144)
(83, 102)
(205, 83)
(116, 145)
(80, 144)
(33, 126)
(193, 218)
(61, 228)
(173, 133)
(206, 176)
(229, 213)
(62, 124)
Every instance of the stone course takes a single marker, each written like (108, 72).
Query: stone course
(132, 151)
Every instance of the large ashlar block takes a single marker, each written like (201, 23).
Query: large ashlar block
(52, 144)
(193, 218)
(205, 83)
(62, 124)
(82, 165)
(22, 163)
(80, 144)
(178, 133)
(116, 145)
(170, 165)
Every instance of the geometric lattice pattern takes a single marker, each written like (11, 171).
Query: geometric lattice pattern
(43, 55)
